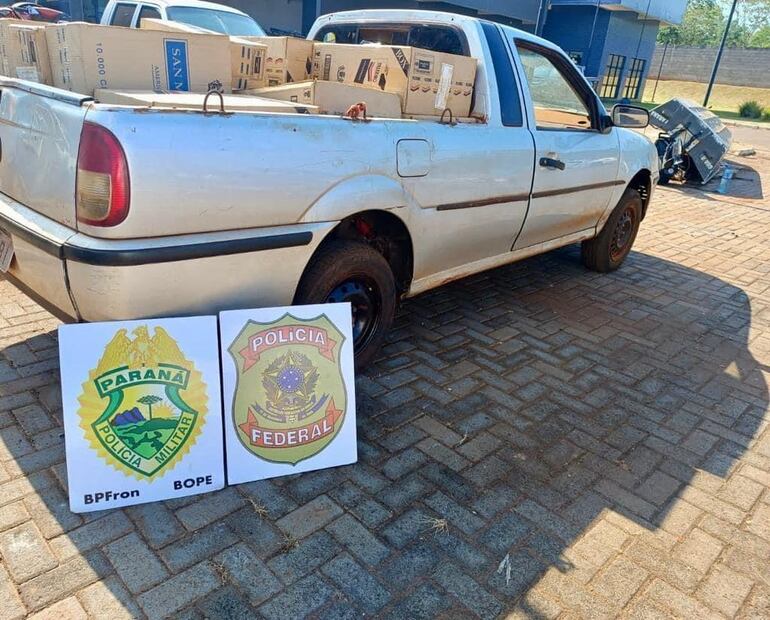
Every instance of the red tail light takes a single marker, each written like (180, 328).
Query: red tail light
(102, 192)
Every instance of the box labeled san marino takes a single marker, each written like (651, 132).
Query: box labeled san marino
(428, 82)
(247, 55)
(85, 57)
(336, 98)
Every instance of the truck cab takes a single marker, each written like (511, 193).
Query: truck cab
(205, 15)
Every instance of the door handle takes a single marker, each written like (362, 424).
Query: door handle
(547, 162)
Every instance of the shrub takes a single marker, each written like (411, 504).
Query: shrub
(751, 109)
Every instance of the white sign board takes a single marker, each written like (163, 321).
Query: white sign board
(142, 411)
(289, 391)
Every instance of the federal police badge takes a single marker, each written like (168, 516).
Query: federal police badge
(290, 398)
(143, 405)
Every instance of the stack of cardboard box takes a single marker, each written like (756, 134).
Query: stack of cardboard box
(163, 57)
(392, 81)
(428, 82)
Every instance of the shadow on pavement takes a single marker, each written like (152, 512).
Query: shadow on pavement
(584, 393)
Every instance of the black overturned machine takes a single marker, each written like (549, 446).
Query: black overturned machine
(692, 141)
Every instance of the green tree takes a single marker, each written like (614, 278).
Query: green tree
(761, 38)
(149, 400)
(703, 24)
(755, 14)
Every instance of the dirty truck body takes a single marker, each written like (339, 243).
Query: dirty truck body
(214, 211)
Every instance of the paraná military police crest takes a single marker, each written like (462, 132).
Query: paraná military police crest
(144, 404)
(290, 398)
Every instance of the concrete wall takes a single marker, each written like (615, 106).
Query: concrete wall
(739, 67)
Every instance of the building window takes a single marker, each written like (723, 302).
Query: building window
(577, 57)
(611, 83)
(634, 82)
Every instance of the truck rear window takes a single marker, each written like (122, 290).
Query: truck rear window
(436, 38)
(123, 15)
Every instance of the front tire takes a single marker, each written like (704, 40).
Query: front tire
(609, 249)
(352, 271)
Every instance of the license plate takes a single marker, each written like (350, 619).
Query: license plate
(6, 251)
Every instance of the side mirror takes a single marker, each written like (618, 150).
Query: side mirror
(630, 116)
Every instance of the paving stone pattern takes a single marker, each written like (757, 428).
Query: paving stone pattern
(539, 440)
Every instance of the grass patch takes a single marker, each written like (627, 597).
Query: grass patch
(725, 100)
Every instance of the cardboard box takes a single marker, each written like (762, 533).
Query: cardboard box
(247, 56)
(9, 50)
(428, 82)
(85, 57)
(336, 98)
(289, 59)
(33, 63)
(194, 101)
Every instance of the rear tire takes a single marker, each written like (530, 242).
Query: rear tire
(355, 272)
(609, 249)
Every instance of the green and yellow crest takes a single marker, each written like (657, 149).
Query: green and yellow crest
(144, 404)
(290, 397)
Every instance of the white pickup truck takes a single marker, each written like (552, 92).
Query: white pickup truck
(117, 212)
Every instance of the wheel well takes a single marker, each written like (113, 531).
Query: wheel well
(387, 234)
(642, 184)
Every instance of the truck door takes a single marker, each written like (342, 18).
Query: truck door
(576, 164)
(475, 183)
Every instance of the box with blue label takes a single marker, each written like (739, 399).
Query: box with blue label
(247, 55)
(85, 57)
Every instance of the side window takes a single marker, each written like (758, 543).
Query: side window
(557, 103)
(123, 14)
(147, 12)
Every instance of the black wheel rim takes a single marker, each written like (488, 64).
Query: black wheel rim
(365, 302)
(623, 234)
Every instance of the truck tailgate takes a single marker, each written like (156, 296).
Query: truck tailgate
(39, 137)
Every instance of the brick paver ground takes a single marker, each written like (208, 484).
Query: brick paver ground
(539, 440)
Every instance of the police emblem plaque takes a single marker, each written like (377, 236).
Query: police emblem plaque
(288, 384)
(142, 412)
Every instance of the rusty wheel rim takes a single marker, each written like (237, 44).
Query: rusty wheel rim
(623, 233)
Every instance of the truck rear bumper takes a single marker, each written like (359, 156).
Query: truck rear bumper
(95, 279)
